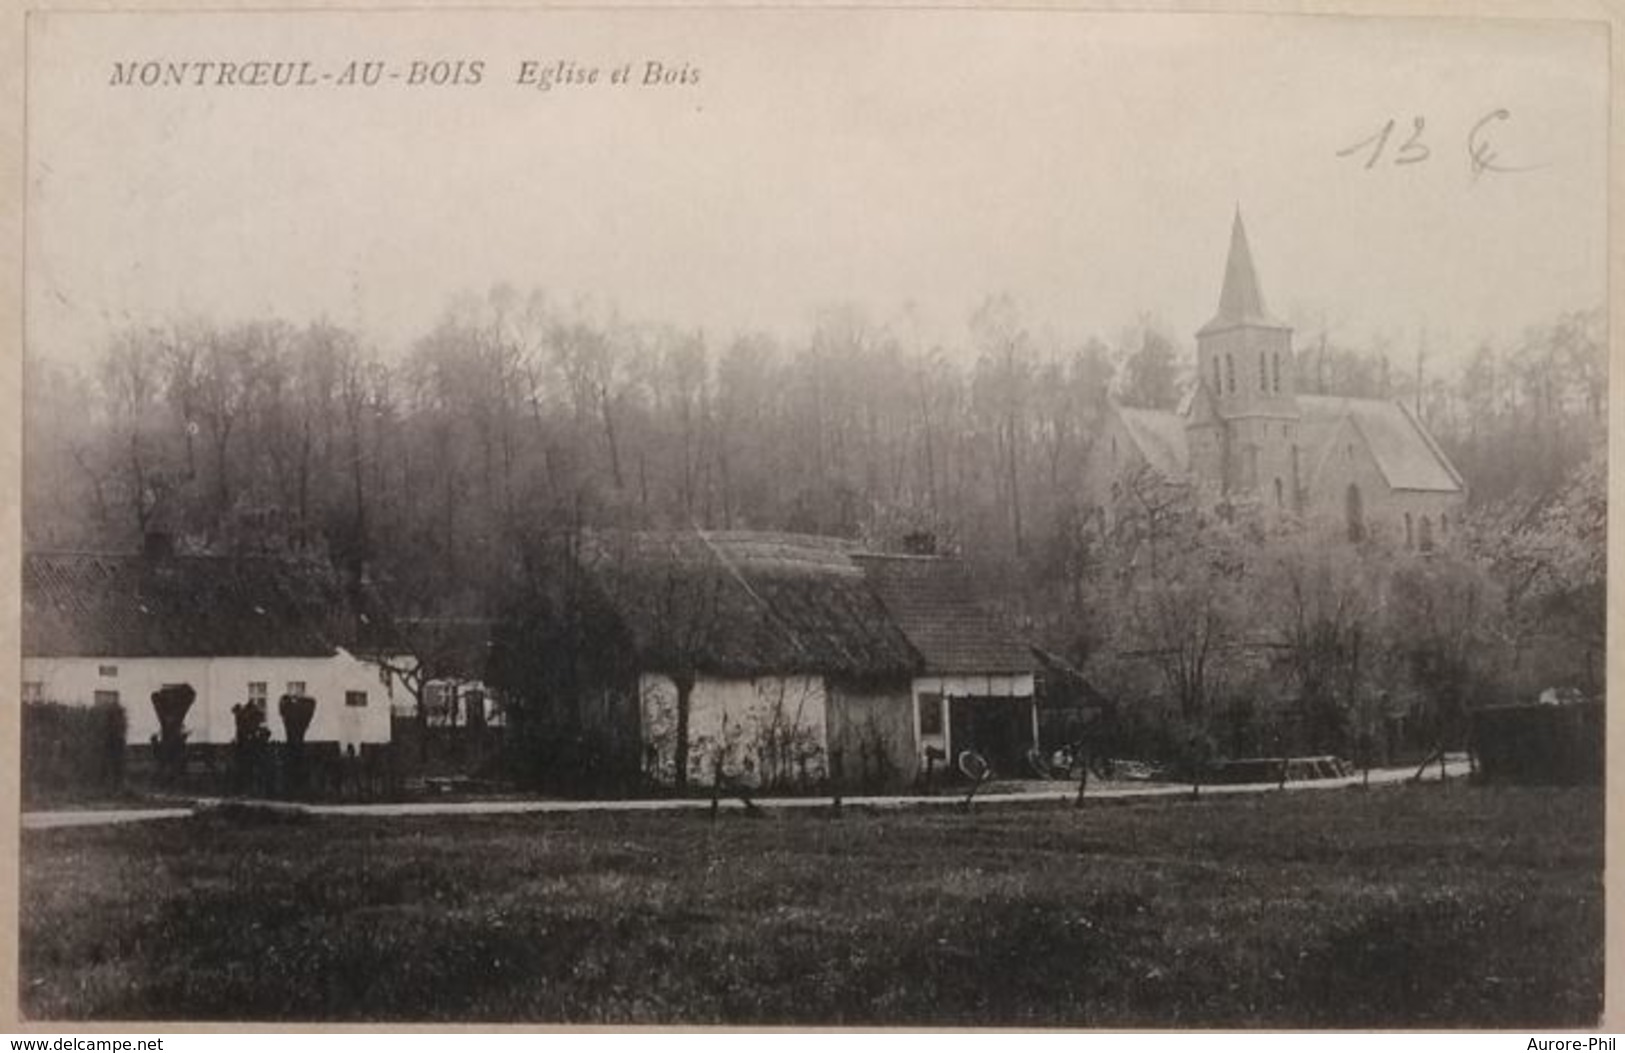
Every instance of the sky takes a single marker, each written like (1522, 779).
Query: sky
(912, 162)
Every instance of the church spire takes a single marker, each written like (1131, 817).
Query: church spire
(1241, 303)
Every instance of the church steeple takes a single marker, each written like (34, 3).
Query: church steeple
(1241, 302)
(1243, 434)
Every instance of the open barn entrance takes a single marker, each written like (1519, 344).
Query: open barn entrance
(1000, 729)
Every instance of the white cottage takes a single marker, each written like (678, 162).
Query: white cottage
(117, 628)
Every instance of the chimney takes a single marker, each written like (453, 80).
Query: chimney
(157, 544)
(920, 543)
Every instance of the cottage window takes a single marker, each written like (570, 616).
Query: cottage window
(105, 698)
(33, 691)
(931, 713)
(107, 670)
(258, 692)
(296, 688)
(355, 698)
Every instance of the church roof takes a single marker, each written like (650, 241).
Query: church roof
(1241, 301)
(1406, 454)
(1160, 437)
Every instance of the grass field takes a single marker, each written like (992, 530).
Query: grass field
(1419, 906)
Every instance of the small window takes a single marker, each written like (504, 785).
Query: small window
(1410, 537)
(1444, 524)
(355, 698)
(931, 713)
(107, 670)
(1280, 494)
(1277, 372)
(1263, 374)
(33, 691)
(1230, 372)
(1218, 381)
(1424, 535)
(106, 698)
(296, 687)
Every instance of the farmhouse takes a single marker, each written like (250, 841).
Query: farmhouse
(780, 659)
(117, 628)
(1369, 466)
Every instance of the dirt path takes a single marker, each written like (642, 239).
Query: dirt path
(1056, 791)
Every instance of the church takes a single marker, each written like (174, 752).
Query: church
(1367, 467)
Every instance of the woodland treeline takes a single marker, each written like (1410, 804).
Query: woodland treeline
(430, 468)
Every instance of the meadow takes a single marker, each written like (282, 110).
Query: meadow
(1416, 906)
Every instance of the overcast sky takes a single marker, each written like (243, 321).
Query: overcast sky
(1086, 164)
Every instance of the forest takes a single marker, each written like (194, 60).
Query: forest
(430, 470)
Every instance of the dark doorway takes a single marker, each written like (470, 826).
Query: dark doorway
(1000, 729)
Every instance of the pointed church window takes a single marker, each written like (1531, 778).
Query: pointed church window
(1354, 512)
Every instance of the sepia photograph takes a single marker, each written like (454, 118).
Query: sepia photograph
(813, 517)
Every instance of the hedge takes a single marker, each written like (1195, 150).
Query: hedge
(72, 751)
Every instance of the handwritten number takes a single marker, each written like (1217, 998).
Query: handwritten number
(1381, 140)
(1481, 154)
(1413, 149)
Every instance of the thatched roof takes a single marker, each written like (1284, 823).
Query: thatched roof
(745, 604)
(748, 604)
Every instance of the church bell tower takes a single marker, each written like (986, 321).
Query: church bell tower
(1243, 424)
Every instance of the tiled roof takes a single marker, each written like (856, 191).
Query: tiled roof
(934, 602)
(130, 606)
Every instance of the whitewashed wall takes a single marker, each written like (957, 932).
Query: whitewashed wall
(743, 718)
(220, 684)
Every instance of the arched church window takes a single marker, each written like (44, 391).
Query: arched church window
(1410, 539)
(1354, 512)
(1230, 371)
(1424, 535)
